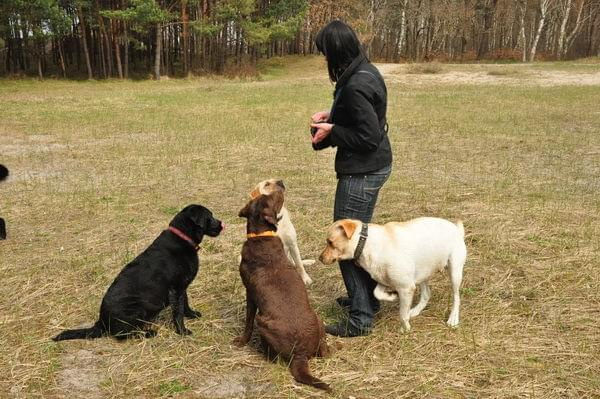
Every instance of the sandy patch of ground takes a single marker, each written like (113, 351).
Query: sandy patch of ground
(235, 385)
(80, 376)
(23, 149)
(489, 75)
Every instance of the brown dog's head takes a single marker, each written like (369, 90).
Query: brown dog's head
(267, 187)
(262, 211)
(339, 241)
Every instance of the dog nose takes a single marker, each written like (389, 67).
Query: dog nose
(280, 184)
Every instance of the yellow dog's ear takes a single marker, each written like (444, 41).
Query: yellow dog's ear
(254, 193)
(349, 227)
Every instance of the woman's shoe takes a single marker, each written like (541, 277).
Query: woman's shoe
(345, 329)
(344, 302)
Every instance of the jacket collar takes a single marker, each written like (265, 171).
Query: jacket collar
(350, 71)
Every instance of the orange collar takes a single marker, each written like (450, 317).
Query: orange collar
(268, 233)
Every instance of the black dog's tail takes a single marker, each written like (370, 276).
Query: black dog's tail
(81, 333)
(3, 172)
(300, 371)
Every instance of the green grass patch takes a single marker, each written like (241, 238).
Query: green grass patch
(172, 388)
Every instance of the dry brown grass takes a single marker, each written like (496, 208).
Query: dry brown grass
(98, 169)
(430, 68)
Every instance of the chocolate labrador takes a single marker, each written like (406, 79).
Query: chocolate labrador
(287, 324)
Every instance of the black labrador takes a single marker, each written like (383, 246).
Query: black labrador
(3, 175)
(157, 278)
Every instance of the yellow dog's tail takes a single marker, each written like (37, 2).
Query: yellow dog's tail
(461, 228)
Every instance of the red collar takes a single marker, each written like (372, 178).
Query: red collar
(184, 237)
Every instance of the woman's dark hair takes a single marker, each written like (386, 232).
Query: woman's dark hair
(340, 46)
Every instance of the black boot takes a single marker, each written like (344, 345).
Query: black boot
(344, 302)
(346, 329)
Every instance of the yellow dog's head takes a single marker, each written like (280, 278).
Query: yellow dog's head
(268, 187)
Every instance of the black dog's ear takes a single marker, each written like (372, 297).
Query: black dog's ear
(199, 216)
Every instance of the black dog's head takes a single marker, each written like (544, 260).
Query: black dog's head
(262, 211)
(3, 172)
(196, 221)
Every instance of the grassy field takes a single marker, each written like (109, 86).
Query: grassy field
(99, 168)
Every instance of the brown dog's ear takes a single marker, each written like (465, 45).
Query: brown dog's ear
(277, 201)
(245, 211)
(273, 207)
(349, 227)
(254, 193)
(270, 216)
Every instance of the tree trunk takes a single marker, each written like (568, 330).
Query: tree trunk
(402, 38)
(571, 36)
(563, 29)
(522, 37)
(40, 60)
(186, 37)
(126, 44)
(61, 58)
(84, 42)
(543, 11)
(489, 9)
(157, 51)
(103, 50)
(117, 48)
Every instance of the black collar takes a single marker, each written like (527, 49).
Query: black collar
(364, 233)
(350, 71)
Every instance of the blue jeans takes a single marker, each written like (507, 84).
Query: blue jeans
(355, 198)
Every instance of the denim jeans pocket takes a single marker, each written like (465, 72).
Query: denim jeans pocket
(374, 182)
(373, 190)
(358, 202)
(356, 195)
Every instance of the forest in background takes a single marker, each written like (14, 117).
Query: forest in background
(152, 38)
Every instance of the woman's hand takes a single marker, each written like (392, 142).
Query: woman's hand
(320, 116)
(323, 130)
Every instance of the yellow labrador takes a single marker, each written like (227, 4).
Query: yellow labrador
(285, 228)
(401, 255)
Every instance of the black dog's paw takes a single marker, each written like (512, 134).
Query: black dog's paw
(184, 331)
(150, 334)
(192, 314)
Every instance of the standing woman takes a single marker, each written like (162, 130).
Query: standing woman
(357, 126)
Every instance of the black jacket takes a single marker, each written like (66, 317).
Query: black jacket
(359, 117)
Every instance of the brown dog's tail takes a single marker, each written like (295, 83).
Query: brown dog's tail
(300, 371)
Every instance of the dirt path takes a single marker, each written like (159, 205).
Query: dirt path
(81, 375)
(488, 75)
